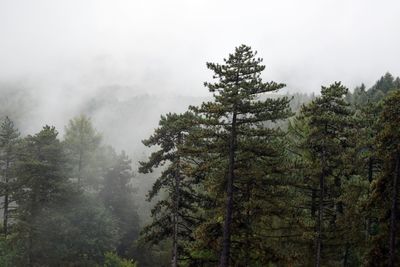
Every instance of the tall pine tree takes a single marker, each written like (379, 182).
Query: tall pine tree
(329, 124)
(9, 137)
(117, 196)
(386, 187)
(173, 214)
(42, 185)
(236, 120)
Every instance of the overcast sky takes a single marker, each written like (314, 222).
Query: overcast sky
(162, 46)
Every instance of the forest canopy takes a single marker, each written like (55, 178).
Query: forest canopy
(250, 176)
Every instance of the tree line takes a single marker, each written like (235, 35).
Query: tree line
(248, 182)
(249, 178)
(65, 203)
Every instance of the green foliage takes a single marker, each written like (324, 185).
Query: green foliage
(172, 215)
(9, 139)
(41, 186)
(384, 85)
(237, 183)
(376, 93)
(8, 254)
(82, 142)
(385, 187)
(117, 196)
(55, 223)
(241, 159)
(321, 144)
(113, 260)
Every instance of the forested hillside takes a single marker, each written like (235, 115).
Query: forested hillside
(248, 181)
(248, 176)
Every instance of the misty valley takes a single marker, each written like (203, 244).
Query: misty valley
(249, 175)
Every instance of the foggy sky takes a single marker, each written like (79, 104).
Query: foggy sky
(58, 55)
(161, 46)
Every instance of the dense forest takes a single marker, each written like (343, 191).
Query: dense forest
(250, 177)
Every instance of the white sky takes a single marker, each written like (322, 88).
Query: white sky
(161, 46)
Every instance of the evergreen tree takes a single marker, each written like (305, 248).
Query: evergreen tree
(386, 188)
(329, 122)
(56, 225)
(9, 137)
(359, 96)
(305, 190)
(383, 86)
(235, 121)
(117, 196)
(112, 260)
(81, 142)
(42, 185)
(173, 214)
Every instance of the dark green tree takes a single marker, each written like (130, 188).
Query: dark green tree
(9, 137)
(117, 196)
(56, 224)
(383, 86)
(359, 96)
(329, 122)
(112, 260)
(42, 185)
(303, 192)
(236, 120)
(386, 187)
(77, 232)
(173, 214)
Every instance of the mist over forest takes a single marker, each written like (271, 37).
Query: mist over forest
(199, 134)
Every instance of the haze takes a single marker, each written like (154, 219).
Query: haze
(301, 177)
(69, 52)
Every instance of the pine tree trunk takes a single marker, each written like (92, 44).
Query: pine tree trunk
(79, 167)
(393, 215)
(320, 209)
(6, 200)
(30, 253)
(174, 262)
(319, 221)
(80, 153)
(370, 177)
(5, 214)
(247, 233)
(346, 255)
(313, 202)
(226, 238)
